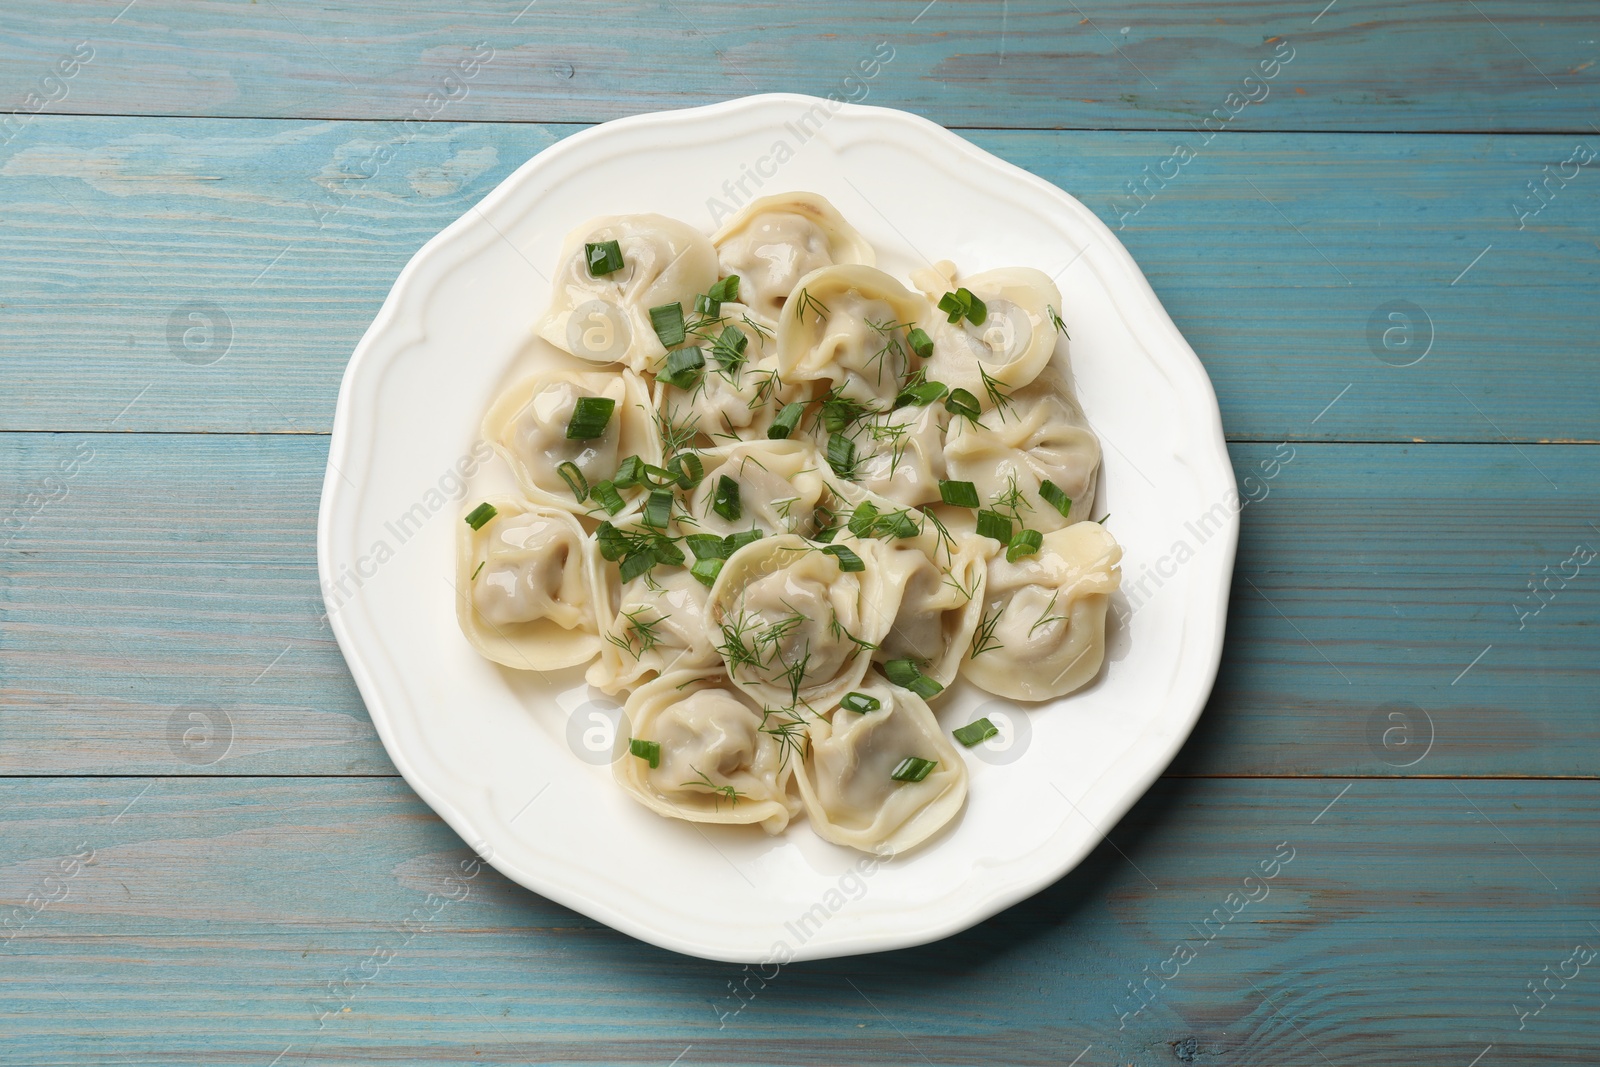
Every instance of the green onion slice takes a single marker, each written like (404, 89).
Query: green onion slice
(728, 348)
(683, 367)
(481, 514)
(920, 342)
(590, 415)
(603, 257)
(995, 525)
(612, 541)
(605, 494)
(910, 769)
(574, 478)
(727, 289)
(962, 304)
(925, 687)
(842, 455)
(658, 508)
(902, 672)
(788, 418)
(860, 703)
(896, 524)
(848, 560)
(687, 470)
(839, 413)
(708, 306)
(708, 546)
(636, 563)
(706, 570)
(959, 494)
(630, 472)
(646, 750)
(1025, 543)
(736, 541)
(863, 518)
(961, 402)
(668, 322)
(726, 500)
(922, 394)
(976, 732)
(666, 551)
(1052, 494)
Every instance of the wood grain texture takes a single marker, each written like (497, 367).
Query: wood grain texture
(117, 235)
(217, 920)
(1414, 65)
(176, 576)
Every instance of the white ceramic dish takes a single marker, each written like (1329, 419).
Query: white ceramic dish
(517, 763)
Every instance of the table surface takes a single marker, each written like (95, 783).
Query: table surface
(206, 856)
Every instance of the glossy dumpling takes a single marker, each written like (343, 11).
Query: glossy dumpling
(1044, 622)
(781, 485)
(1012, 346)
(529, 588)
(847, 784)
(528, 427)
(726, 405)
(941, 603)
(777, 240)
(658, 627)
(664, 261)
(794, 630)
(1040, 435)
(846, 326)
(716, 764)
(901, 453)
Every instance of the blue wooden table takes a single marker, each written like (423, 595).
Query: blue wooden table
(1376, 223)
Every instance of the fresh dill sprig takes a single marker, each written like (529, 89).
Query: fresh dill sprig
(1045, 618)
(947, 540)
(1011, 501)
(837, 629)
(791, 733)
(676, 436)
(999, 399)
(806, 301)
(953, 582)
(1055, 320)
(720, 792)
(983, 639)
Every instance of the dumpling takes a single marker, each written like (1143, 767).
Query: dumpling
(658, 627)
(796, 631)
(1044, 617)
(1012, 345)
(528, 427)
(777, 240)
(779, 487)
(847, 325)
(1010, 452)
(714, 762)
(530, 588)
(847, 780)
(901, 453)
(725, 406)
(664, 261)
(940, 607)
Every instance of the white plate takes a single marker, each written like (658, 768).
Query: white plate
(499, 755)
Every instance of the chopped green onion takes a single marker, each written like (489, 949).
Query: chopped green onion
(925, 687)
(646, 750)
(995, 525)
(959, 494)
(896, 524)
(630, 472)
(683, 367)
(726, 290)
(605, 494)
(668, 322)
(962, 303)
(478, 571)
(706, 570)
(842, 455)
(590, 415)
(848, 560)
(975, 732)
(839, 413)
(574, 478)
(726, 500)
(788, 418)
(1052, 494)
(637, 562)
(708, 546)
(961, 402)
(707, 306)
(1025, 543)
(920, 342)
(658, 508)
(665, 551)
(825, 534)
(910, 769)
(736, 541)
(863, 518)
(687, 470)
(922, 394)
(603, 257)
(906, 674)
(728, 348)
(613, 543)
(860, 703)
(481, 514)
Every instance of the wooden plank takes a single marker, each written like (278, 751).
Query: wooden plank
(177, 576)
(1443, 64)
(219, 919)
(117, 235)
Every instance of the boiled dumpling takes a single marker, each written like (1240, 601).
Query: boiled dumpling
(529, 588)
(1009, 453)
(777, 240)
(664, 261)
(1010, 347)
(902, 453)
(940, 606)
(714, 762)
(658, 627)
(794, 629)
(528, 427)
(847, 326)
(1044, 622)
(847, 780)
(779, 487)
